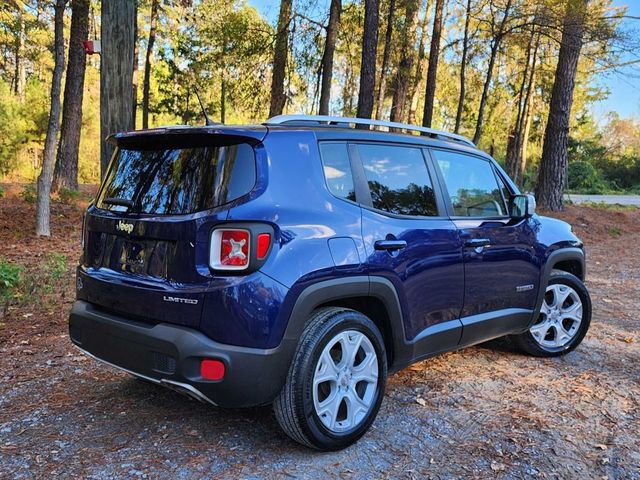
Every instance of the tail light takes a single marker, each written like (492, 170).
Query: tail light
(264, 242)
(240, 247)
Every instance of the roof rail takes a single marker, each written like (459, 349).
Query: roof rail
(330, 120)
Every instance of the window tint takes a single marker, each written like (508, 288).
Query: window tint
(472, 185)
(178, 180)
(337, 170)
(398, 179)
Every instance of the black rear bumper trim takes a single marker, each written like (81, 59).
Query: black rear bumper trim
(252, 376)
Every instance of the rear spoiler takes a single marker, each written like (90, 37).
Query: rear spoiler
(186, 136)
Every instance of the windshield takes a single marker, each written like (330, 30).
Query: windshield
(177, 180)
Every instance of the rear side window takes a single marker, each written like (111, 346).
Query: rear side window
(398, 179)
(472, 185)
(337, 170)
(178, 180)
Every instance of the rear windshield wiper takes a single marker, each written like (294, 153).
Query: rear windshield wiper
(123, 202)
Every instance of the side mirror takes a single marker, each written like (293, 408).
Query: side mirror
(522, 206)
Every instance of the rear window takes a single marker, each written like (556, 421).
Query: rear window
(177, 180)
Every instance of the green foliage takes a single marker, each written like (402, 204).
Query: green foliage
(55, 268)
(606, 159)
(29, 194)
(224, 49)
(615, 232)
(585, 178)
(68, 195)
(2, 194)
(22, 128)
(10, 277)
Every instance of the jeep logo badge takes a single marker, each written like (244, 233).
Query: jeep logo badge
(124, 227)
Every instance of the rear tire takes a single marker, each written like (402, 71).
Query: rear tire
(336, 381)
(563, 320)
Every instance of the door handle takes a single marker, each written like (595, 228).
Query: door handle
(389, 245)
(477, 242)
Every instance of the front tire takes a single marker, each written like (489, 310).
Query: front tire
(336, 381)
(563, 320)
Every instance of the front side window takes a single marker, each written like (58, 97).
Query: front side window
(398, 179)
(337, 170)
(472, 185)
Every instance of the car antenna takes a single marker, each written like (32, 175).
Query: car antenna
(204, 110)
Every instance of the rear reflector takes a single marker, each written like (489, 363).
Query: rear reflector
(212, 369)
(264, 241)
(230, 249)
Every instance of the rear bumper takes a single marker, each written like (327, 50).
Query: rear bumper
(170, 355)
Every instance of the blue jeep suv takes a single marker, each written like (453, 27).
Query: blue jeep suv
(300, 261)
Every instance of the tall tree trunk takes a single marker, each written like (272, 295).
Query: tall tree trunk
(516, 137)
(327, 56)
(65, 174)
(223, 94)
(463, 68)
(280, 54)
(20, 74)
(116, 72)
(146, 82)
(405, 67)
(420, 64)
(552, 176)
(134, 76)
(386, 54)
(44, 179)
(495, 48)
(434, 56)
(368, 63)
(522, 163)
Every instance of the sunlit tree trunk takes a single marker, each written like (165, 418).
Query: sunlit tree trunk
(327, 56)
(386, 54)
(463, 67)
(420, 64)
(280, 55)
(368, 64)
(434, 56)
(44, 179)
(146, 82)
(134, 76)
(522, 164)
(517, 136)
(20, 73)
(405, 67)
(552, 176)
(495, 47)
(65, 174)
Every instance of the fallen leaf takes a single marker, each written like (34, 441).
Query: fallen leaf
(601, 446)
(497, 467)
(421, 401)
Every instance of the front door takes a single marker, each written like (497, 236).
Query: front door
(501, 269)
(410, 241)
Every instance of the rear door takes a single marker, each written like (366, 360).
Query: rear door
(500, 265)
(410, 241)
(147, 235)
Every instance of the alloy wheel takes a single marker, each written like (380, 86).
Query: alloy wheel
(345, 381)
(560, 317)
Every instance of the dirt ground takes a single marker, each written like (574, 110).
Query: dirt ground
(483, 412)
